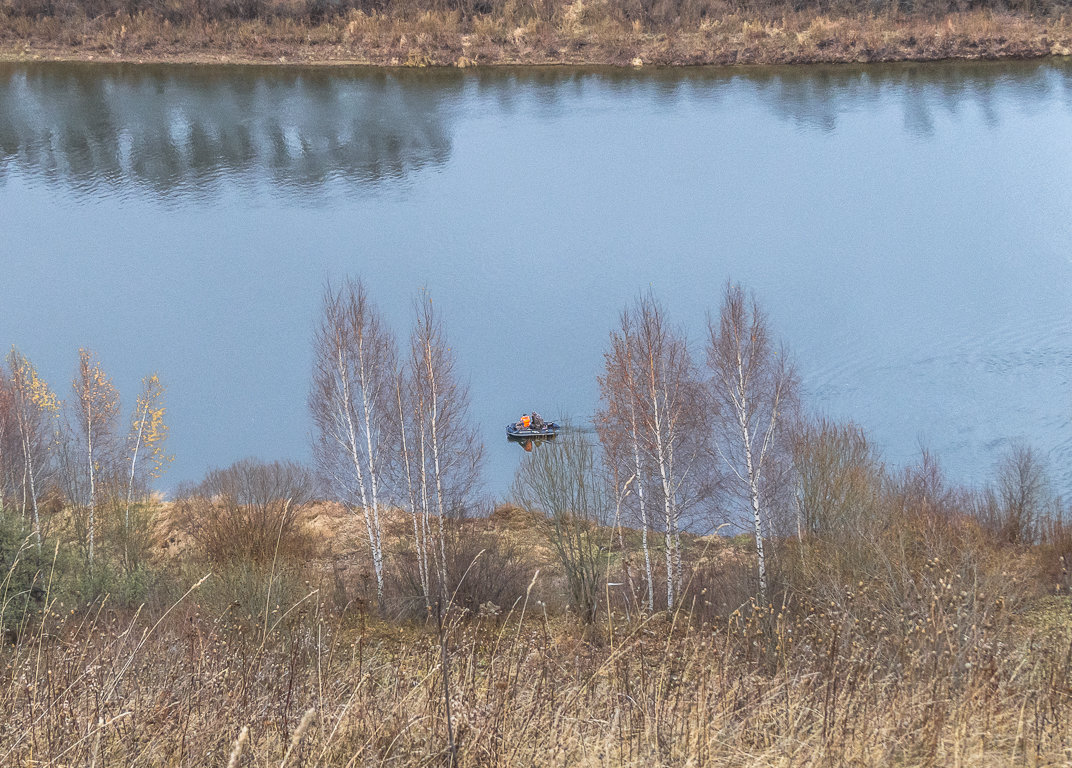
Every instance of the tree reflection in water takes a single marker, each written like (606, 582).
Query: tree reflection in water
(178, 130)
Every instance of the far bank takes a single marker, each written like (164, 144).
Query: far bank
(575, 34)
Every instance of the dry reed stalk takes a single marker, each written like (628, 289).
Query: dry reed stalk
(96, 743)
(239, 745)
(299, 733)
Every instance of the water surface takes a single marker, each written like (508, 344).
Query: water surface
(908, 228)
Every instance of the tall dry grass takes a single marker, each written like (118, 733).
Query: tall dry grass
(947, 676)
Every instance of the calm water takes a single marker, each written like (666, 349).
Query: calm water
(909, 229)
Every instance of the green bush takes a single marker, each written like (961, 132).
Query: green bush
(23, 576)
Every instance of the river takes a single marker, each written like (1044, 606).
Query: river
(908, 228)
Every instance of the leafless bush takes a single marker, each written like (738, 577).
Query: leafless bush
(485, 568)
(839, 479)
(249, 512)
(1055, 549)
(1014, 508)
(891, 544)
(560, 481)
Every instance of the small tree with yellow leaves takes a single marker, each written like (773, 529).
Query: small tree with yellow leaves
(96, 412)
(36, 410)
(146, 455)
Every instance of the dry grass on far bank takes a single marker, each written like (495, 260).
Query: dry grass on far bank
(579, 33)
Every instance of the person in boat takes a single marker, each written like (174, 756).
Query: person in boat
(524, 422)
(537, 421)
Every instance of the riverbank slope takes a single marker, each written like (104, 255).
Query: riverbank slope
(579, 33)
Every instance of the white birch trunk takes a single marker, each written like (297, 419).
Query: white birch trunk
(437, 473)
(660, 457)
(370, 456)
(355, 457)
(92, 478)
(31, 482)
(753, 487)
(643, 510)
(133, 465)
(426, 514)
(422, 564)
(741, 404)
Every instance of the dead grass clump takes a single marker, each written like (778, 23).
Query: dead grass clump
(1055, 552)
(486, 574)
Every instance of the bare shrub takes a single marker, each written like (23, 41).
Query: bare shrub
(561, 482)
(1055, 550)
(1014, 508)
(839, 478)
(485, 568)
(487, 573)
(249, 512)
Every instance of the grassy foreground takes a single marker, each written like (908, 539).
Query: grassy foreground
(960, 658)
(581, 33)
(105, 690)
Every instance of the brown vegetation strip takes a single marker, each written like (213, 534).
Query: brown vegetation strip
(580, 34)
(839, 686)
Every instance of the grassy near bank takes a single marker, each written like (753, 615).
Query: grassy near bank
(956, 651)
(543, 32)
(106, 688)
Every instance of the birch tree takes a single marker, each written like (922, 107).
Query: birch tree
(145, 451)
(756, 390)
(96, 410)
(36, 409)
(352, 403)
(653, 398)
(416, 495)
(619, 432)
(447, 452)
